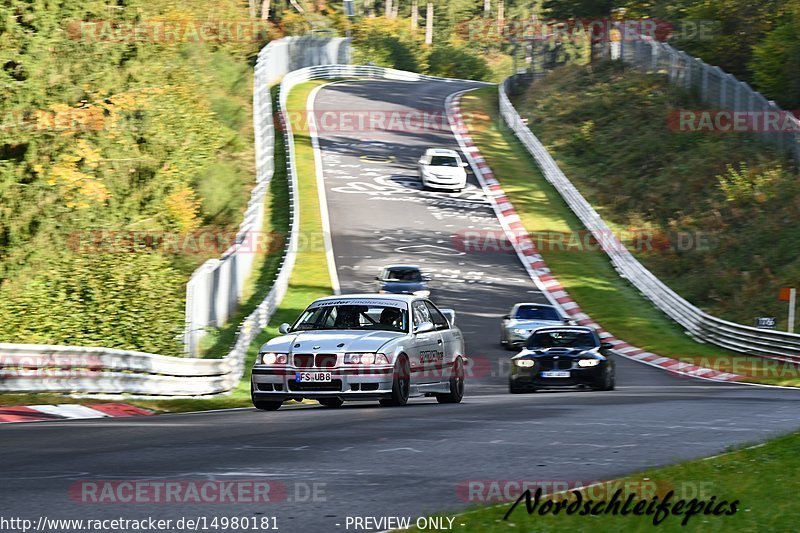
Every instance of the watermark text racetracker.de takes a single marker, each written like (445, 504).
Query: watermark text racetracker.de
(144, 524)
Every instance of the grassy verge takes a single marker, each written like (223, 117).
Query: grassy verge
(309, 279)
(585, 272)
(759, 478)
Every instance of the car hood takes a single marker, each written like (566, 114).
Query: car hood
(330, 341)
(402, 286)
(561, 352)
(531, 324)
(446, 172)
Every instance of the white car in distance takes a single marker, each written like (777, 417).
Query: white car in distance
(442, 169)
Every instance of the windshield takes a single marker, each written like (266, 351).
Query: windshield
(444, 161)
(562, 339)
(536, 312)
(389, 317)
(407, 275)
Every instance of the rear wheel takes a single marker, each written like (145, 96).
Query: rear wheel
(456, 385)
(331, 402)
(401, 384)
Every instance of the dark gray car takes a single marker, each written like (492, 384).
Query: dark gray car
(403, 279)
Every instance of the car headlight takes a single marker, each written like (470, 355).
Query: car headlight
(272, 358)
(424, 293)
(521, 332)
(588, 362)
(524, 363)
(365, 358)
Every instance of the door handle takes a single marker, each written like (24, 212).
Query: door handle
(439, 341)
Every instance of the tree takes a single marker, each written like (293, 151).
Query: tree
(564, 10)
(776, 63)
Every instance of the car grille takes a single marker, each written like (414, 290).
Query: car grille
(304, 360)
(320, 360)
(554, 364)
(332, 386)
(325, 360)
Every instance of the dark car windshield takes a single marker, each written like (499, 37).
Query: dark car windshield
(536, 312)
(562, 339)
(354, 316)
(406, 275)
(444, 161)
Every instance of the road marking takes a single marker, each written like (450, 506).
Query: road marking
(323, 201)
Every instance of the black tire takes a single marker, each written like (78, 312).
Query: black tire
(331, 402)
(517, 390)
(401, 384)
(456, 385)
(609, 381)
(263, 405)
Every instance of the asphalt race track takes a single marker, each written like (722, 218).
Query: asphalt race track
(363, 460)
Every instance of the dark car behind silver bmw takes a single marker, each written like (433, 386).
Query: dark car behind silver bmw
(558, 356)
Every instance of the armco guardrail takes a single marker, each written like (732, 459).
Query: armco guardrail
(85, 370)
(214, 290)
(700, 325)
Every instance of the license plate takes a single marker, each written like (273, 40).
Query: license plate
(555, 374)
(313, 377)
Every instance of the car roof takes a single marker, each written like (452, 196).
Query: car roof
(401, 266)
(441, 151)
(370, 296)
(532, 304)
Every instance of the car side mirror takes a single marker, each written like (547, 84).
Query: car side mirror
(566, 320)
(377, 278)
(464, 164)
(424, 328)
(426, 278)
(284, 328)
(421, 161)
(506, 317)
(606, 345)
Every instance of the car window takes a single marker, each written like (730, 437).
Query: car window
(437, 317)
(421, 313)
(444, 161)
(407, 275)
(562, 338)
(373, 316)
(536, 312)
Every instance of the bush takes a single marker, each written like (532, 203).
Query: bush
(457, 62)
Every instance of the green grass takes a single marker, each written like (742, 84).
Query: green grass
(310, 279)
(761, 478)
(587, 274)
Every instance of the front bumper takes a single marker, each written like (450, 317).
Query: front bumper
(531, 378)
(354, 382)
(444, 183)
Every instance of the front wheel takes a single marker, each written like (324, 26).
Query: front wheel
(263, 405)
(331, 402)
(401, 384)
(609, 381)
(456, 385)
